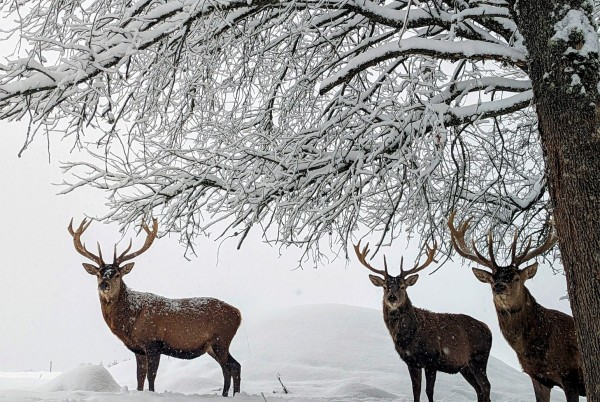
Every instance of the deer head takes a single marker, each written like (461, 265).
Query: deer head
(394, 287)
(507, 282)
(110, 276)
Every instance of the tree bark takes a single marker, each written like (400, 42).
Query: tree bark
(565, 77)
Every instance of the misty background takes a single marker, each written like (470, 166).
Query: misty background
(49, 309)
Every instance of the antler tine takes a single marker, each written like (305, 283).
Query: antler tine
(385, 265)
(116, 259)
(480, 258)
(513, 246)
(77, 241)
(100, 253)
(362, 258)
(526, 255)
(457, 237)
(527, 247)
(70, 228)
(430, 254)
(82, 227)
(151, 235)
(490, 244)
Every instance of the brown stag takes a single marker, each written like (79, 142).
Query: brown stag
(451, 343)
(150, 325)
(544, 339)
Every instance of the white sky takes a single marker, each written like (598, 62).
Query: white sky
(49, 308)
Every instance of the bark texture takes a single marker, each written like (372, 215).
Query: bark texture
(565, 76)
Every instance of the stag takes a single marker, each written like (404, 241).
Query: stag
(150, 325)
(451, 343)
(543, 339)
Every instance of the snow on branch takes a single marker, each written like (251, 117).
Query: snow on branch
(303, 120)
(470, 50)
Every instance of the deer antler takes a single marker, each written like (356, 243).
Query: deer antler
(81, 247)
(150, 236)
(457, 237)
(430, 254)
(528, 255)
(362, 258)
(458, 241)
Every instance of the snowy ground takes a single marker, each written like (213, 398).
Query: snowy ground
(322, 353)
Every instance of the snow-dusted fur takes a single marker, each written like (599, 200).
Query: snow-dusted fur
(151, 325)
(544, 339)
(451, 343)
(546, 346)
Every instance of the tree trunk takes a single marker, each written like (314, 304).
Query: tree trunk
(565, 76)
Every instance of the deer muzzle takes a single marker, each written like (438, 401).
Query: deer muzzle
(499, 287)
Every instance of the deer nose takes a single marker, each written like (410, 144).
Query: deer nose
(103, 286)
(499, 287)
(392, 298)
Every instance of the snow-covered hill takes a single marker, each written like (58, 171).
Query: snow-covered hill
(321, 353)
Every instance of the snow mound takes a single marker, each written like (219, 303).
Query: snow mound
(84, 378)
(354, 389)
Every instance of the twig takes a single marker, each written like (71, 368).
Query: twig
(284, 388)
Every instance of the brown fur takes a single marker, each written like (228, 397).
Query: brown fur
(451, 343)
(151, 325)
(544, 341)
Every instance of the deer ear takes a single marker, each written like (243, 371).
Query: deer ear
(126, 268)
(528, 272)
(91, 269)
(411, 280)
(377, 281)
(483, 276)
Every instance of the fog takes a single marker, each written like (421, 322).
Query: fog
(49, 308)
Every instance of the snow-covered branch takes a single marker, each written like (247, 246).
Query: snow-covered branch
(305, 119)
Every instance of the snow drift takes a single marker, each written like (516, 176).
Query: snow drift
(84, 378)
(320, 353)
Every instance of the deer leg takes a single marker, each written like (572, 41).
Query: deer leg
(236, 372)
(478, 369)
(571, 388)
(572, 394)
(142, 369)
(542, 393)
(221, 355)
(471, 378)
(415, 378)
(153, 362)
(430, 375)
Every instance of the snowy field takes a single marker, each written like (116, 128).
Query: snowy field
(321, 352)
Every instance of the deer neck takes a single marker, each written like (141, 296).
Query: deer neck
(519, 322)
(118, 313)
(401, 322)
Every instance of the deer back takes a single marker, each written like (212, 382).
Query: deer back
(182, 326)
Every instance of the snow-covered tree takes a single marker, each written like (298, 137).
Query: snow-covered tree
(310, 120)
